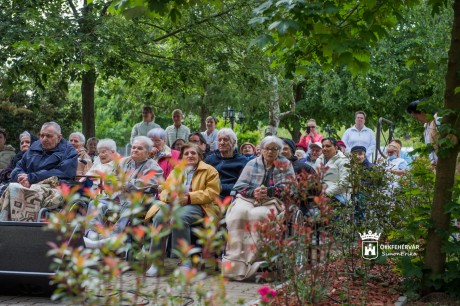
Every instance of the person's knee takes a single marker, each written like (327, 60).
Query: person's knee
(158, 218)
(191, 215)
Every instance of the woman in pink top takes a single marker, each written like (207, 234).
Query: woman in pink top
(161, 153)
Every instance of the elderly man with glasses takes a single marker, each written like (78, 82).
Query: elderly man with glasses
(311, 135)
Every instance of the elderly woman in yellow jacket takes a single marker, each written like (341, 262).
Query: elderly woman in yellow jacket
(202, 186)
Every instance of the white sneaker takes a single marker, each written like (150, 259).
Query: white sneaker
(152, 271)
(92, 235)
(92, 244)
(96, 244)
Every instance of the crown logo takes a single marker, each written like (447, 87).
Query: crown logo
(370, 236)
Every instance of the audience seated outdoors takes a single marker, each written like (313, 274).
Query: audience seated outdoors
(360, 153)
(198, 139)
(395, 164)
(25, 140)
(106, 152)
(404, 155)
(161, 153)
(77, 140)
(358, 195)
(260, 188)
(37, 174)
(248, 150)
(316, 150)
(258, 150)
(6, 151)
(201, 186)
(177, 144)
(91, 146)
(227, 161)
(342, 146)
(302, 156)
(334, 169)
(288, 152)
(135, 172)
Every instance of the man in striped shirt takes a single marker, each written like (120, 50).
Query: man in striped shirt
(177, 130)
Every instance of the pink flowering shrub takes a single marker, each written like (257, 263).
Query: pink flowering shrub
(266, 294)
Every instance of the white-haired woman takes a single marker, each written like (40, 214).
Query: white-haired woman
(77, 140)
(107, 151)
(260, 188)
(135, 170)
(161, 153)
(227, 161)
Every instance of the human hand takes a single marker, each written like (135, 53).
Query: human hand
(22, 177)
(154, 151)
(23, 180)
(260, 192)
(184, 199)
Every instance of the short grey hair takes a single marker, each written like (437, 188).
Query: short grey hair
(177, 111)
(230, 134)
(52, 124)
(80, 136)
(148, 143)
(108, 144)
(272, 139)
(23, 134)
(157, 132)
(301, 153)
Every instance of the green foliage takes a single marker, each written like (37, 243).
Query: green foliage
(415, 205)
(95, 276)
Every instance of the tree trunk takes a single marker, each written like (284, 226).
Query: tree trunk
(273, 108)
(299, 92)
(88, 84)
(435, 258)
(203, 114)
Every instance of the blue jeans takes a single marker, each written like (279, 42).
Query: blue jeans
(189, 215)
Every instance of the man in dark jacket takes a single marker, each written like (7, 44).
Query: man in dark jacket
(227, 161)
(37, 174)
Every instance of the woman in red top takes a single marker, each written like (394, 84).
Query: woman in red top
(311, 134)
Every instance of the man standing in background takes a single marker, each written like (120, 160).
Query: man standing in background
(148, 123)
(177, 130)
(360, 135)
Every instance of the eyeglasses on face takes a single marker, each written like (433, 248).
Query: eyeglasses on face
(271, 149)
(391, 152)
(312, 127)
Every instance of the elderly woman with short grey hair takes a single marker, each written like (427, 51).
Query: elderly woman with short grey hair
(107, 152)
(161, 153)
(136, 171)
(85, 163)
(227, 161)
(261, 187)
